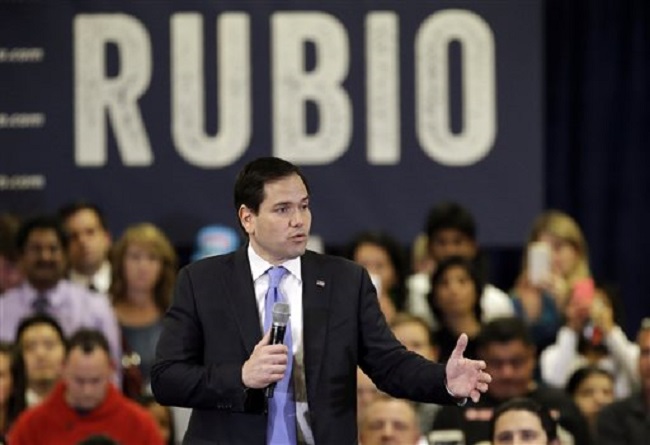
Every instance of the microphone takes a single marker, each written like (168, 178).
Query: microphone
(281, 313)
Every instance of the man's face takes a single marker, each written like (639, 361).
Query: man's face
(280, 229)
(43, 259)
(87, 376)
(511, 365)
(519, 427)
(89, 241)
(43, 352)
(390, 422)
(451, 242)
(415, 338)
(644, 359)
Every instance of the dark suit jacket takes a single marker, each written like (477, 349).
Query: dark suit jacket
(213, 326)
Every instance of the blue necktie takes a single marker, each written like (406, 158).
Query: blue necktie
(41, 304)
(281, 427)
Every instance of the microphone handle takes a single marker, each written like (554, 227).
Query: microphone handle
(277, 338)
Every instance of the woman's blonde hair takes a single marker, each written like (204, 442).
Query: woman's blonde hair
(151, 237)
(564, 227)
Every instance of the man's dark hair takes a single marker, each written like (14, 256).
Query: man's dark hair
(438, 275)
(504, 330)
(250, 182)
(549, 425)
(44, 222)
(70, 209)
(88, 340)
(39, 319)
(450, 215)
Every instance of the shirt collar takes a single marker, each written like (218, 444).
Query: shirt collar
(259, 265)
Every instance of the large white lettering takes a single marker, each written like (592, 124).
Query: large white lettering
(293, 86)
(97, 95)
(432, 87)
(382, 89)
(233, 91)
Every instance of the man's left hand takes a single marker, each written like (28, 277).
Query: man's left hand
(466, 377)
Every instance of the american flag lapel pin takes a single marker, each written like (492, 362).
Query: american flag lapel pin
(320, 283)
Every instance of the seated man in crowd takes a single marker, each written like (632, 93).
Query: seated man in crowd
(86, 403)
(627, 421)
(523, 421)
(389, 421)
(508, 349)
(42, 243)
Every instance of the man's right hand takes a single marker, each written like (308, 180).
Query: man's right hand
(267, 364)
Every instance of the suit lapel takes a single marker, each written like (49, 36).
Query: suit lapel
(315, 302)
(242, 301)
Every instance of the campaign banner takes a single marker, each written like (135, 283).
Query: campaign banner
(150, 108)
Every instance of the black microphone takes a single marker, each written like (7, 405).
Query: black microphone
(281, 313)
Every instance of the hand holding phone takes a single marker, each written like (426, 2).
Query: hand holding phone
(538, 263)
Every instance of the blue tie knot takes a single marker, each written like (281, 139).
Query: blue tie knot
(275, 275)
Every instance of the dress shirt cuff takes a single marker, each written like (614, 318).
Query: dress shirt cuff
(460, 401)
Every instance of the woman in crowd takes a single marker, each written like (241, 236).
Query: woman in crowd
(591, 335)
(455, 302)
(523, 421)
(383, 257)
(41, 348)
(591, 388)
(540, 296)
(144, 270)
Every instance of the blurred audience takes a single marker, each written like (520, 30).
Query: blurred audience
(559, 255)
(451, 231)
(455, 292)
(383, 258)
(592, 388)
(6, 387)
(162, 415)
(414, 333)
(85, 402)
(144, 273)
(42, 244)
(508, 349)
(89, 243)
(591, 336)
(366, 392)
(10, 273)
(627, 421)
(523, 421)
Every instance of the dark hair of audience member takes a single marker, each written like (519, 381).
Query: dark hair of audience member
(70, 209)
(396, 255)
(450, 215)
(549, 425)
(582, 374)
(40, 223)
(88, 340)
(18, 369)
(504, 330)
(439, 275)
(98, 439)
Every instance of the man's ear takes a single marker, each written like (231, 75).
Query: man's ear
(246, 218)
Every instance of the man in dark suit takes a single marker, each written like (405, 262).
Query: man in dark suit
(214, 357)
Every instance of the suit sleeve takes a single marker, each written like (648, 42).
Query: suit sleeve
(394, 370)
(179, 376)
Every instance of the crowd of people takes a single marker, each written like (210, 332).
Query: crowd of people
(81, 314)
